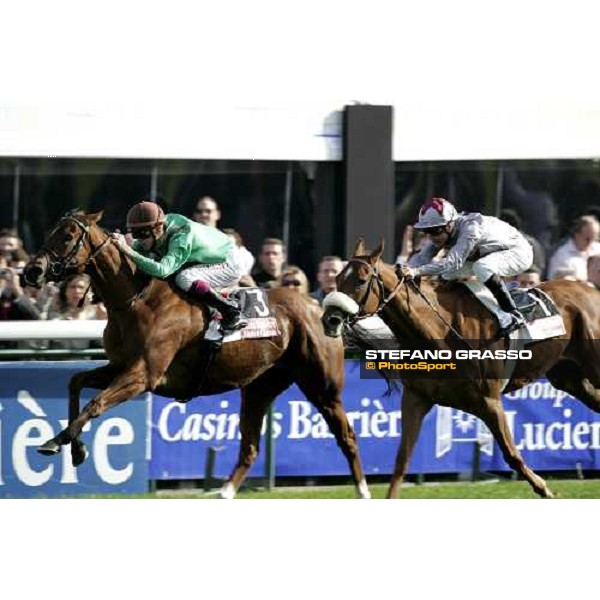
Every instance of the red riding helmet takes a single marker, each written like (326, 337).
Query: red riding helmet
(435, 213)
(145, 214)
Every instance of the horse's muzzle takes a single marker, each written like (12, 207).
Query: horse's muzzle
(33, 273)
(333, 321)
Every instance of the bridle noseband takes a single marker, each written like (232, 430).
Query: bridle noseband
(374, 278)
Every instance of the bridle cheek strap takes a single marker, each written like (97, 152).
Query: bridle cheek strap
(383, 301)
(58, 265)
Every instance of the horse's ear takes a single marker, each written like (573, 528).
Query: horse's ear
(376, 254)
(94, 217)
(360, 249)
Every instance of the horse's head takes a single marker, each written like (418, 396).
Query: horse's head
(68, 249)
(359, 292)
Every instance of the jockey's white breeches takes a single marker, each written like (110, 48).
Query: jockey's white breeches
(218, 276)
(506, 263)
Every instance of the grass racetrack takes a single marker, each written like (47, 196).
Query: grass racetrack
(567, 489)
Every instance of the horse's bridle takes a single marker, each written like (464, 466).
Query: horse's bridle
(374, 278)
(383, 302)
(60, 265)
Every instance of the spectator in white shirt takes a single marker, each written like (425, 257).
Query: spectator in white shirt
(245, 257)
(594, 271)
(573, 255)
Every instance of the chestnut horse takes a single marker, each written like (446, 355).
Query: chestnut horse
(446, 317)
(154, 342)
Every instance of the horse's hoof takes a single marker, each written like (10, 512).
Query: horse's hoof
(78, 453)
(362, 491)
(227, 491)
(50, 448)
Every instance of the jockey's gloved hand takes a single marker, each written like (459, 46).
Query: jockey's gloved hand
(406, 271)
(120, 241)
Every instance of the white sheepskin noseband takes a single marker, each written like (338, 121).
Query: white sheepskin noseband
(341, 301)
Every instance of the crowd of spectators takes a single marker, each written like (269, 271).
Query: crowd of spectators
(270, 268)
(575, 257)
(15, 303)
(72, 299)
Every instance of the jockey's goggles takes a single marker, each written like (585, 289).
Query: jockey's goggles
(141, 233)
(435, 230)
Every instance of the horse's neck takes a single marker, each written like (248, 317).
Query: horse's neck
(408, 315)
(114, 277)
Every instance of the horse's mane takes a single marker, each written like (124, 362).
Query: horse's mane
(137, 275)
(434, 285)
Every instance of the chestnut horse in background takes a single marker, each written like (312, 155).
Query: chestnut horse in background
(424, 314)
(154, 342)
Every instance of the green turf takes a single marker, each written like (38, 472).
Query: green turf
(484, 490)
(506, 489)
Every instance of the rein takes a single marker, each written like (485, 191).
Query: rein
(59, 265)
(383, 302)
(437, 313)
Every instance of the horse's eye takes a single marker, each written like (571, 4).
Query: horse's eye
(360, 282)
(67, 238)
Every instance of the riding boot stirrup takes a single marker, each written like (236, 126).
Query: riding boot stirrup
(233, 319)
(506, 303)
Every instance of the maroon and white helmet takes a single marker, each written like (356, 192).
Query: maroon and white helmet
(436, 212)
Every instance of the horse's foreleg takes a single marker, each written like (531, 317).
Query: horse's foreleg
(414, 409)
(99, 378)
(492, 414)
(121, 388)
(256, 399)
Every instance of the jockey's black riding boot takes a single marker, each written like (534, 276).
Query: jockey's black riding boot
(230, 311)
(506, 302)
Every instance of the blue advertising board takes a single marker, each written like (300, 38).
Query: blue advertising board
(183, 433)
(552, 430)
(34, 408)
